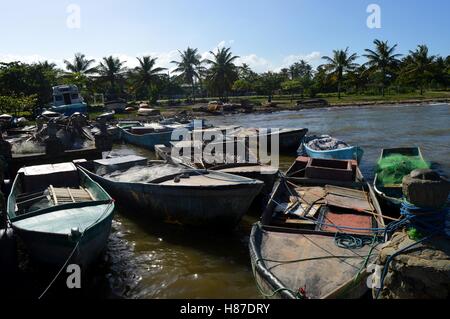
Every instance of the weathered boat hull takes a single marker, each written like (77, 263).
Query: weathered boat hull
(54, 249)
(202, 206)
(316, 272)
(350, 153)
(147, 140)
(290, 141)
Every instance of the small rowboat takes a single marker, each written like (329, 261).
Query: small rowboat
(246, 165)
(316, 237)
(189, 197)
(392, 194)
(346, 153)
(60, 214)
(147, 140)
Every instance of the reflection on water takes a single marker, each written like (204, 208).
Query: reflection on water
(153, 260)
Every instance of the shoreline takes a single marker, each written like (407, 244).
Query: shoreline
(269, 110)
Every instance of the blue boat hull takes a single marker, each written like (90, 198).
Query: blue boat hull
(147, 140)
(68, 110)
(350, 153)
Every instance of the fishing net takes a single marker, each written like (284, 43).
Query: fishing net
(393, 168)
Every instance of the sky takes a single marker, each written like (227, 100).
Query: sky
(266, 34)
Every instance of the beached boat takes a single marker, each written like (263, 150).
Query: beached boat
(60, 214)
(186, 196)
(116, 105)
(392, 194)
(317, 235)
(67, 100)
(342, 153)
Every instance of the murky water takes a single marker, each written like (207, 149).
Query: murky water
(152, 260)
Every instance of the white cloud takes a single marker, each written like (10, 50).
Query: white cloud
(256, 63)
(291, 59)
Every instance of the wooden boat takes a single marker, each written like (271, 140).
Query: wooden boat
(301, 248)
(147, 140)
(189, 197)
(231, 164)
(289, 139)
(392, 195)
(60, 213)
(347, 153)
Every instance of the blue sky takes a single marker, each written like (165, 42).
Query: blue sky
(267, 34)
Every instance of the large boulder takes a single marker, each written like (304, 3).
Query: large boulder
(425, 188)
(422, 272)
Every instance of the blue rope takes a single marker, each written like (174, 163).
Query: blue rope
(425, 220)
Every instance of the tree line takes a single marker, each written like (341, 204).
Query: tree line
(25, 86)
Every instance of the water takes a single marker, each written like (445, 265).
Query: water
(152, 260)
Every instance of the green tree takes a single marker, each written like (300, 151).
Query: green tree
(292, 87)
(188, 67)
(242, 86)
(146, 76)
(301, 69)
(338, 65)
(20, 79)
(80, 65)
(222, 72)
(111, 69)
(382, 60)
(268, 83)
(421, 66)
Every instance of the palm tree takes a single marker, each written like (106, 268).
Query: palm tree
(146, 74)
(382, 60)
(223, 72)
(189, 67)
(80, 65)
(421, 65)
(341, 63)
(111, 69)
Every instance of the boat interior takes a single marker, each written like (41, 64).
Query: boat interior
(40, 188)
(340, 203)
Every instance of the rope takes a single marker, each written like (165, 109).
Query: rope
(62, 268)
(429, 222)
(74, 250)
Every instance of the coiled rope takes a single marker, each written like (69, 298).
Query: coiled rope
(428, 222)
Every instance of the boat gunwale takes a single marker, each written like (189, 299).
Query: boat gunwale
(236, 185)
(15, 218)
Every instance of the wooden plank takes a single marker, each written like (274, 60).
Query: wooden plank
(348, 192)
(312, 195)
(90, 195)
(70, 194)
(348, 202)
(52, 192)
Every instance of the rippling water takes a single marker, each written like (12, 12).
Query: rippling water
(152, 260)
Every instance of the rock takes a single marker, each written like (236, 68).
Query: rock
(423, 272)
(425, 188)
